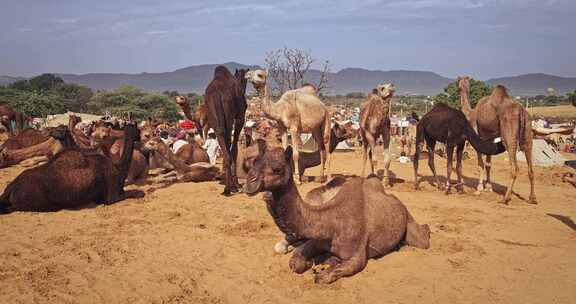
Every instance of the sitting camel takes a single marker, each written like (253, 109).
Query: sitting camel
(298, 111)
(70, 180)
(112, 143)
(449, 126)
(351, 220)
(58, 140)
(25, 138)
(375, 123)
(183, 170)
(498, 115)
(80, 138)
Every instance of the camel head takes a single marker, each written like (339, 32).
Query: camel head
(258, 78)
(464, 83)
(182, 100)
(386, 90)
(99, 134)
(146, 133)
(271, 169)
(155, 145)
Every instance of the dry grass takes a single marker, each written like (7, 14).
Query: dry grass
(564, 112)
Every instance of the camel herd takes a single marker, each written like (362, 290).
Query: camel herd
(346, 221)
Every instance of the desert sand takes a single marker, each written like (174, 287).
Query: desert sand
(188, 244)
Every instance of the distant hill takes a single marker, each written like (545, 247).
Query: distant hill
(6, 80)
(536, 84)
(196, 78)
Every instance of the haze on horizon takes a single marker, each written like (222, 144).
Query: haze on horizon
(483, 38)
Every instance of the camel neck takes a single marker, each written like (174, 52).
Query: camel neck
(293, 212)
(465, 102)
(267, 105)
(187, 111)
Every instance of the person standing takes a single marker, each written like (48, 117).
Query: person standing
(211, 146)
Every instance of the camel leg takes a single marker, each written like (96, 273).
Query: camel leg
(481, 170)
(238, 125)
(527, 149)
(487, 168)
(295, 150)
(323, 154)
(354, 260)
(513, 171)
(416, 161)
(431, 144)
(224, 147)
(285, 140)
(364, 157)
(449, 155)
(302, 258)
(459, 153)
(370, 140)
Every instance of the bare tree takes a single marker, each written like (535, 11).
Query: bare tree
(288, 68)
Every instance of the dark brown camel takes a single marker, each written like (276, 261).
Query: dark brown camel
(9, 115)
(70, 180)
(350, 220)
(449, 126)
(111, 142)
(226, 104)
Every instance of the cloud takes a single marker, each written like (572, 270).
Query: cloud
(66, 20)
(158, 32)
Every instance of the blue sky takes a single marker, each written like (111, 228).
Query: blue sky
(483, 38)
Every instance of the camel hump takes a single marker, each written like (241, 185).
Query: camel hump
(222, 72)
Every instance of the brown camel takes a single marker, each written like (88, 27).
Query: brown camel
(8, 116)
(375, 123)
(80, 138)
(24, 139)
(200, 116)
(226, 106)
(498, 116)
(183, 170)
(70, 180)
(112, 143)
(59, 139)
(449, 126)
(350, 220)
(298, 111)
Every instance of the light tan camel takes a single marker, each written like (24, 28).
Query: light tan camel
(375, 123)
(200, 116)
(498, 116)
(298, 111)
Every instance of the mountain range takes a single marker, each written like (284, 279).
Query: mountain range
(196, 78)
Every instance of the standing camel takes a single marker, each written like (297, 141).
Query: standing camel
(375, 123)
(298, 111)
(496, 116)
(449, 126)
(200, 116)
(226, 107)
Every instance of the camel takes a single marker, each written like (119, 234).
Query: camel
(312, 159)
(184, 171)
(80, 138)
(375, 123)
(112, 144)
(24, 139)
(70, 180)
(496, 116)
(58, 140)
(200, 116)
(12, 120)
(298, 111)
(449, 126)
(350, 220)
(226, 107)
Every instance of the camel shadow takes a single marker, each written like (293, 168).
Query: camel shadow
(566, 220)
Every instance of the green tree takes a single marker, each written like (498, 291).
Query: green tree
(36, 104)
(130, 99)
(478, 89)
(572, 97)
(75, 97)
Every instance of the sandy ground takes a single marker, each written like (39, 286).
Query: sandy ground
(187, 244)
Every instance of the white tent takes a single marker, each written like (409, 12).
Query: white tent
(543, 154)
